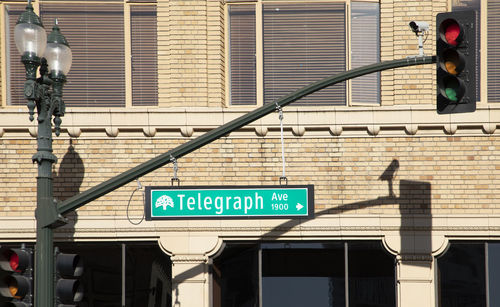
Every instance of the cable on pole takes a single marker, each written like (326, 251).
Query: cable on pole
(139, 187)
(176, 168)
(283, 179)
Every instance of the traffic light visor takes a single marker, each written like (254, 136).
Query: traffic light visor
(69, 265)
(14, 286)
(69, 290)
(452, 61)
(451, 32)
(452, 88)
(14, 259)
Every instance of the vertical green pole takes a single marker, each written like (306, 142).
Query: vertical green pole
(44, 264)
(44, 283)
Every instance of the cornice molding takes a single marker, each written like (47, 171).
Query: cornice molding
(387, 121)
(342, 226)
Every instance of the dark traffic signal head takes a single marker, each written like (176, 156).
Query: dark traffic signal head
(69, 289)
(456, 62)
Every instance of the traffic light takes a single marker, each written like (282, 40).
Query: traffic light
(16, 277)
(69, 289)
(456, 62)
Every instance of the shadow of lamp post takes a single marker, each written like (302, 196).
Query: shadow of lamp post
(51, 56)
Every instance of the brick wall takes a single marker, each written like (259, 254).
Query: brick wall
(414, 85)
(191, 53)
(438, 175)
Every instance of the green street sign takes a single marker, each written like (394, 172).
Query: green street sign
(209, 202)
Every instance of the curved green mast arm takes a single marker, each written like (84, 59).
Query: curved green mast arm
(140, 170)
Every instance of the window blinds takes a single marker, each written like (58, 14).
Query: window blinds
(15, 69)
(304, 43)
(242, 64)
(365, 50)
(96, 36)
(493, 51)
(143, 29)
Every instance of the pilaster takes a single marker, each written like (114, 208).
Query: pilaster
(190, 256)
(415, 265)
(415, 280)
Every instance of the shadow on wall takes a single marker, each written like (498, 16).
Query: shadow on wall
(414, 206)
(416, 217)
(415, 226)
(68, 180)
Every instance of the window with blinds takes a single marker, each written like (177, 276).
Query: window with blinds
(242, 65)
(96, 32)
(96, 36)
(493, 51)
(365, 50)
(15, 75)
(304, 43)
(143, 30)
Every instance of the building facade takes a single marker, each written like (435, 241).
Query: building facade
(407, 209)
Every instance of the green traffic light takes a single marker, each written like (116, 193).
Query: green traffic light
(451, 88)
(451, 94)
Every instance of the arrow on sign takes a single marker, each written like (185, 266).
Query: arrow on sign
(299, 206)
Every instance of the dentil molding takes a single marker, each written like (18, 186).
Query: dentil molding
(334, 121)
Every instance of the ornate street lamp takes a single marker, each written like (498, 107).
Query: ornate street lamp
(51, 57)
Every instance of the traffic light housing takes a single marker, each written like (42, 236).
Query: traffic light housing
(69, 288)
(16, 277)
(456, 62)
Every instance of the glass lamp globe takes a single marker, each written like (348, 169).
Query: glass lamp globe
(58, 53)
(30, 38)
(59, 58)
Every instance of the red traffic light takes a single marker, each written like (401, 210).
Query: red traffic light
(451, 32)
(14, 259)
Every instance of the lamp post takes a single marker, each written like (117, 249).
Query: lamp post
(51, 57)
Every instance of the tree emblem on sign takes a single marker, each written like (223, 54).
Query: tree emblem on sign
(164, 201)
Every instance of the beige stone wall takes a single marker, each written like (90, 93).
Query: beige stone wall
(191, 53)
(414, 85)
(362, 175)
